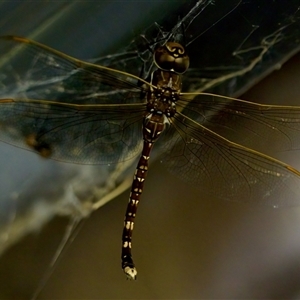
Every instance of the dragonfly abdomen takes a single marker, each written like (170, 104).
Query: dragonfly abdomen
(134, 198)
(153, 126)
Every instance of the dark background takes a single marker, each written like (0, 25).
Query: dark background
(186, 245)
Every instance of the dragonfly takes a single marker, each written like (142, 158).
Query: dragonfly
(93, 114)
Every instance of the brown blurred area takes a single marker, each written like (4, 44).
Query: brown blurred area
(185, 245)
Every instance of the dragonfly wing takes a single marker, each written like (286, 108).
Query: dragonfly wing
(87, 134)
(228, 170)
(32, 70)
(253, 125)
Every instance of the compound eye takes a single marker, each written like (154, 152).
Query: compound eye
(172, 57)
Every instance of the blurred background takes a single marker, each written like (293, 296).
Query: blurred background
(186, 245)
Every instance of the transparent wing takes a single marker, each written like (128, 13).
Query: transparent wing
(253, 125)
(88, 134)
(89, 113)
(31, 70)
(228, 170)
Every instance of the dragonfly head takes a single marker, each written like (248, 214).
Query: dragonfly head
(172, 57)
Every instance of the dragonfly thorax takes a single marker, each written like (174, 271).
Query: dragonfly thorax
(163, 95)
(162, 102)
